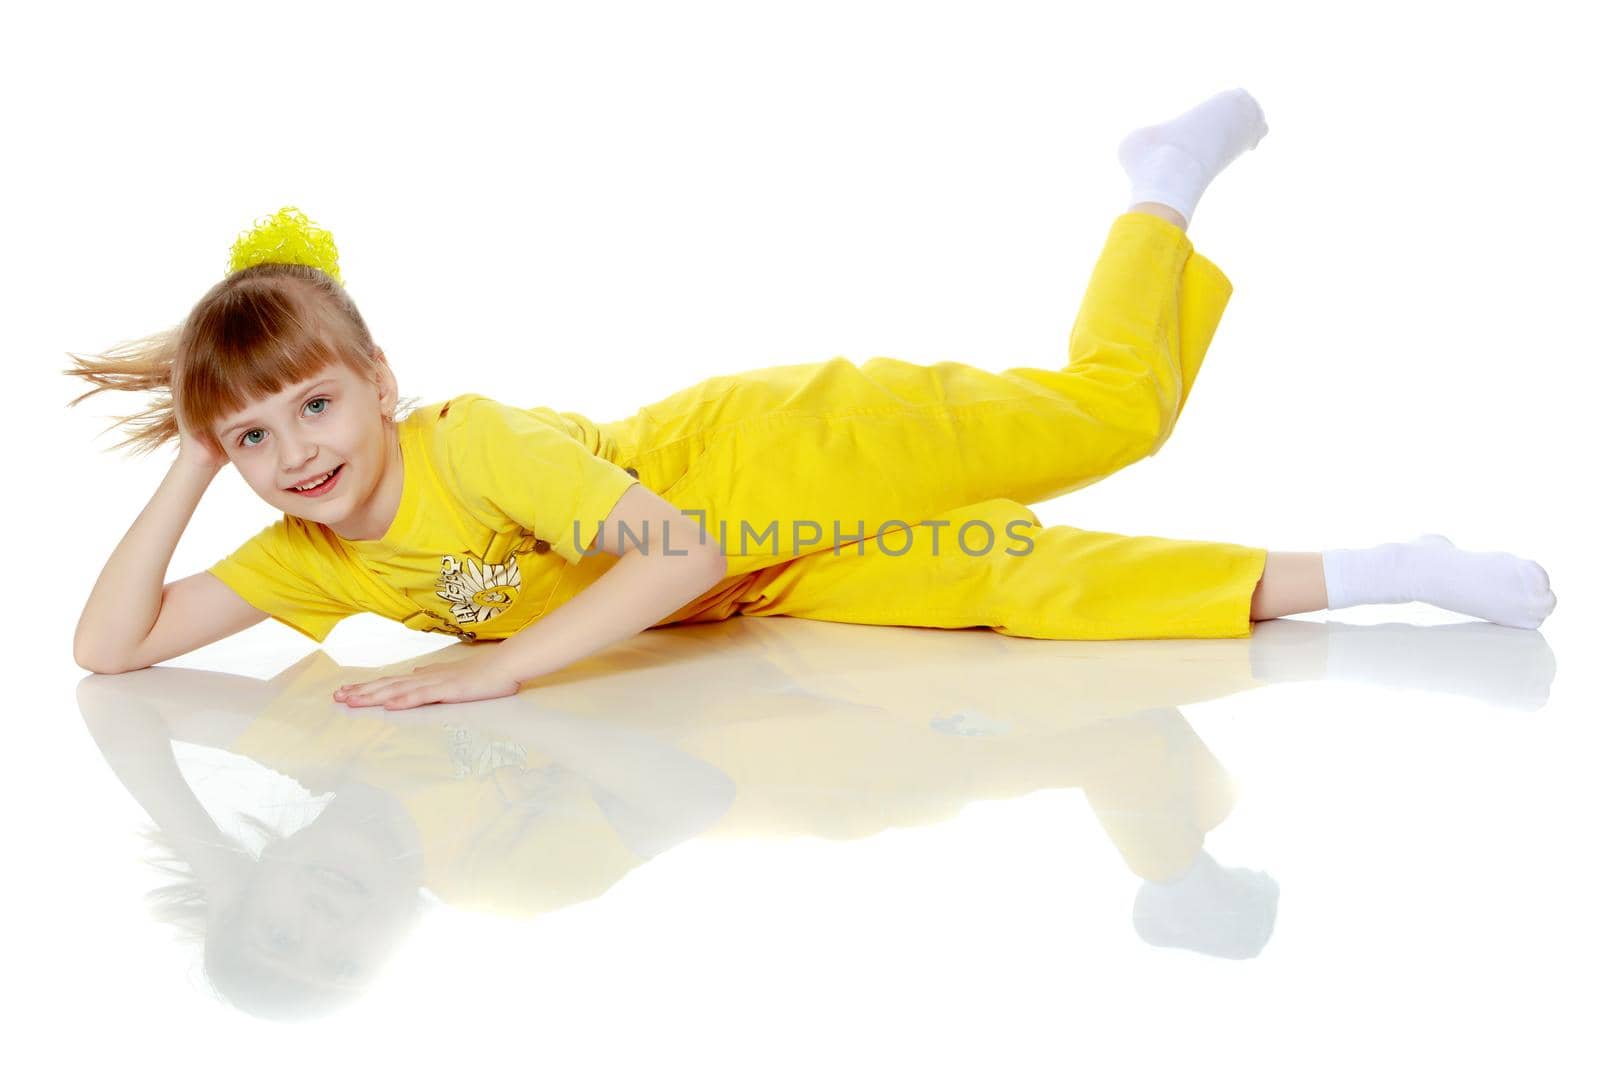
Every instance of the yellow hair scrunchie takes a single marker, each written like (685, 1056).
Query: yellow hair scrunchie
(286, 237)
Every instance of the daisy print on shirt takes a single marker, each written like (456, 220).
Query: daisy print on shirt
(478, 592)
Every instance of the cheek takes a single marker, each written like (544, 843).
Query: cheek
(258, 475)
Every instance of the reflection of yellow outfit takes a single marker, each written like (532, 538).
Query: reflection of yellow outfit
(520, 807)
(890, 493)
(894, 442)
(502, 827)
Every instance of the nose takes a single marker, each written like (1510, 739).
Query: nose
(298, 455)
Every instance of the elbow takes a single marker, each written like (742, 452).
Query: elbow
(96, 663)
(704, 552)
(710, 558)
(86, 660)
(95, 666)
(707, 561)
(716, 563)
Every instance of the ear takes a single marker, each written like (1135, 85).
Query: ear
(388, 387)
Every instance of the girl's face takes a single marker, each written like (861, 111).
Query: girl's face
(333, 421)
(333, 901)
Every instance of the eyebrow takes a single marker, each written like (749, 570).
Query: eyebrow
(313, 387)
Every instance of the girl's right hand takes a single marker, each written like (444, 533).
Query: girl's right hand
(194, 452)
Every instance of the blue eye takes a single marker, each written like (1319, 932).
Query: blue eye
(241, 442)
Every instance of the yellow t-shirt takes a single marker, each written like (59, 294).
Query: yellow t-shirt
(497, 501)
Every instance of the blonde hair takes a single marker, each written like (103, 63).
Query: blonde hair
(270, 323)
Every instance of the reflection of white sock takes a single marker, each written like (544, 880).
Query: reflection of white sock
(1172, 163)
(1222, 911)
(1496, 586)
(1496, 665)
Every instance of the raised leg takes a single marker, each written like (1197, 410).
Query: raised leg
(894, 440)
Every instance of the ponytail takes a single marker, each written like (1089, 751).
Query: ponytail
(140, 366)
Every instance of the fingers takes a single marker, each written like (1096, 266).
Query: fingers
(371, 692)
(422, 694)
(385, 691)
(374, 687)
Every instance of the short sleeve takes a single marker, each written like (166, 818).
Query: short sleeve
(276, 571)
(511, 462)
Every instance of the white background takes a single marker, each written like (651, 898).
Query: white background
(590, 206)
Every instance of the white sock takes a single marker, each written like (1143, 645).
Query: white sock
(1496, 586)
(1172, 163)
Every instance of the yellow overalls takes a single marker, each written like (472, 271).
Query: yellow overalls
(920, 474)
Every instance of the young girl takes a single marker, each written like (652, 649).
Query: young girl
(888, 493)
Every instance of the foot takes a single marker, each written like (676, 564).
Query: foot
(1496, 586)
(1173, 162)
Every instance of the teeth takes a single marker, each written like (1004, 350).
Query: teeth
(316, 482)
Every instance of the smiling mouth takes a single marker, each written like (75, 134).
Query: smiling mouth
(320, 487)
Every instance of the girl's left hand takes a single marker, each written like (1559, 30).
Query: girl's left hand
(434, 683)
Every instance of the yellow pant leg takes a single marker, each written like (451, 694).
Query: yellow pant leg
(767, 457)
(991, 564)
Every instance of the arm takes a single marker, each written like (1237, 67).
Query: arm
(126, 600)
(209, 708)
(134, 740)
(646, 585)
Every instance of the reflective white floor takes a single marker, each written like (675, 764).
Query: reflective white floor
(763, 837)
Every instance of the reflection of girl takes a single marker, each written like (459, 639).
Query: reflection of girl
(308, 923)
(505, 824)
(475, 518)
(300, 927)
